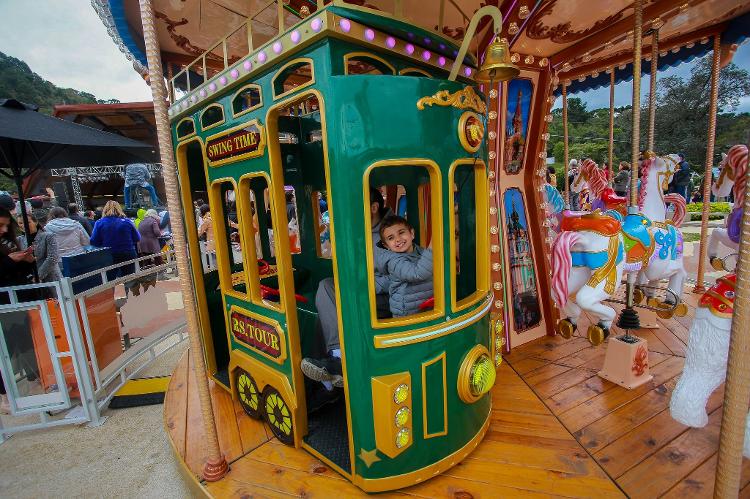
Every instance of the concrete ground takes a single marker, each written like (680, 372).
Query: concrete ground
(128, 456)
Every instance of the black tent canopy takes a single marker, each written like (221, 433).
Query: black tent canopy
(30, 140)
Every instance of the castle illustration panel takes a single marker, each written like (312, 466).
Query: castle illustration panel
(520, 92)
(527, 310)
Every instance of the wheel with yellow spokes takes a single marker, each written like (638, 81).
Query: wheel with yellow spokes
(248, 393)
(278, 415)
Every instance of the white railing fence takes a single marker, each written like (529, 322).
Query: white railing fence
(66, 347)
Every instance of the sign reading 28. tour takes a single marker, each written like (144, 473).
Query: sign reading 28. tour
(242, 142)
(261, 337)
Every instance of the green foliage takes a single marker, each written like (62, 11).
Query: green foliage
(681, 120)
(17, 81)
(716, 207)
(696, 217)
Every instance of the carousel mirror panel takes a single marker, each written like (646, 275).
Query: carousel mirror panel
(520, 92)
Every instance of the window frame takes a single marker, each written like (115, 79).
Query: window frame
(438, 256)
(280, 72)
(220, 234)
(247, 236)
(218, 123)
(177, 128)
(481, 206)
(251, 108)
(367, 55)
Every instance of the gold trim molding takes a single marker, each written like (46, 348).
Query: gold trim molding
(463, 99)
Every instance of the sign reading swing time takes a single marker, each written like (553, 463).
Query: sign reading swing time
(245, 141)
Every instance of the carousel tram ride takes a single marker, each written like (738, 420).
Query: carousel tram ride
(289, 157)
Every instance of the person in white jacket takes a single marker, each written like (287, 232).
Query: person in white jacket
(70, 235)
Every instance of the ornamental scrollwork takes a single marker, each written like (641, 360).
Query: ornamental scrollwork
(463, 99)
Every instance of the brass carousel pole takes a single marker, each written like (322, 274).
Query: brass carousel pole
(565, 143)
(707, 176)
(629, 317)
(216, 466)
(611, 151)
(737, 387)
(652, 85)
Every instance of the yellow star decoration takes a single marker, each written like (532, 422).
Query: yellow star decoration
(369, 456)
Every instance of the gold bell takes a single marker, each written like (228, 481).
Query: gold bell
(497, 65)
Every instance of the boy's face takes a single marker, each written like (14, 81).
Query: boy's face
(399, 238)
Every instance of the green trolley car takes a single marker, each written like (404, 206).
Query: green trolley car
(286, 146)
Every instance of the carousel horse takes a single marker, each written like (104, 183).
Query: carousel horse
(603, 195)
(706, 357)
(581, 187)
(732, 178)
(588, 259)
(664, 258)
(554, 208)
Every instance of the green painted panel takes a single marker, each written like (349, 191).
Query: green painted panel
(435, 391)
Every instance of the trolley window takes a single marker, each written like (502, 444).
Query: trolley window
(468, 233)
(292, 219)
(406, 266)
(247, 99)
(185, 128)
(322, 224)
(293, 76)
(212, 116)
(227, 240)
(415, 72)
(259, 241)
(363, 63)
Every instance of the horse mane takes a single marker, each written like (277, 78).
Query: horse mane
(594, 176)
(644, 171)
(737, 160)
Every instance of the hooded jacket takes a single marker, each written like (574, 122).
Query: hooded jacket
(408, 277)
(149, 231)
(70, 236)
(46, 255)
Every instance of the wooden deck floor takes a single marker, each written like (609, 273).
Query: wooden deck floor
(630, 433)
(557, 429)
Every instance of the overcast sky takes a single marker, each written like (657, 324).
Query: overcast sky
(65, 42)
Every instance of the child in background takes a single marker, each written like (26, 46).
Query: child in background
(405, 267)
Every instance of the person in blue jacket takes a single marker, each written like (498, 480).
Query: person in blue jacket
(118, 233)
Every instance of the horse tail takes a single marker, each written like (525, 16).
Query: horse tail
(679, 207)
(562, 262)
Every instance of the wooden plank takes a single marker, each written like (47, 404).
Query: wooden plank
(591, 483)
(646, 439)
(175, 406)
(229, 487)
(568, 379)
(538, 347)
(588, 358)
(527, 424)
(451, 486)
(668, 338)
(252, 431)
(606, 430)
(524, 366)
(700, 483)
(195, 448)
(663, 470)
(227, 430)
(597, 407)
(590, 388)
(571, 346)
(550, 371)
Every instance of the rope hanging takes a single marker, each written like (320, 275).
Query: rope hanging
(611, 155)
(565, 143)
(652, 89)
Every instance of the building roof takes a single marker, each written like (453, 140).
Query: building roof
(134, 120)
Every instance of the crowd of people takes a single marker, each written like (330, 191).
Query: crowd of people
(33, 251)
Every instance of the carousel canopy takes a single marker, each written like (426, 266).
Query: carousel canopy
(579, 39)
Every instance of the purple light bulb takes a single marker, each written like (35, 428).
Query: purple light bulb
(467, 71)
(277, 47)
(369, 35)
(235, 74)
(223, 80)
(295, 36)
(262, 57)
(248, 65)
(426, 55)
(409, 48)
(390, 42)
(441, 61)
(316, 25)
(212, 87)
(345, 25)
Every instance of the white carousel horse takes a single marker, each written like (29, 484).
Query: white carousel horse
(706, 357)
(602, 195)
(665, 258)
(732, 178)
(587, 263)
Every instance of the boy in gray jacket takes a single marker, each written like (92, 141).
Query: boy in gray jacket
(404, 269)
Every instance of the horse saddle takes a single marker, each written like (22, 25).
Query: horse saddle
(611, 200)
(719, 299)
(637, 238)
(598, 222)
